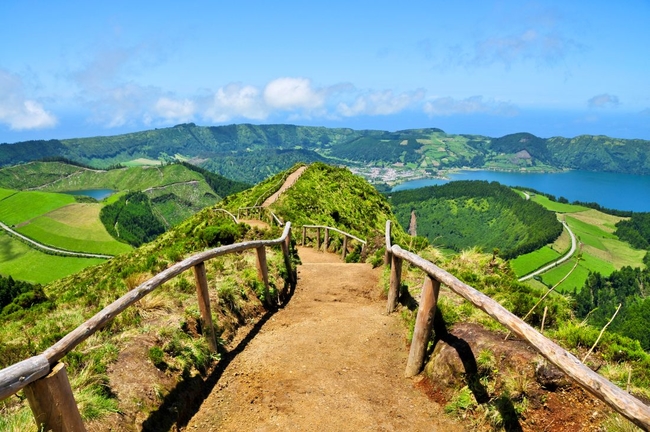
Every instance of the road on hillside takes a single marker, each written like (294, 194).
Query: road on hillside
(574, 245)
(51, 249)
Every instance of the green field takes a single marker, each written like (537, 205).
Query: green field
(4, 193)
(22, 262)
(556, 206)
(74, 227)
(577, 279)
(600, 249)
(23, 206)
(524, 264)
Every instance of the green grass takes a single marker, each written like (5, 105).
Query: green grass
(584, 228)
(22, 262)
(556, 206)
(23, 206)
(602, 252)
(524, 264)
(4, 193)
(75, 227)
(579, 276)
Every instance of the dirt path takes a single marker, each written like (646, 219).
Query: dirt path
(287, 184)
(330, 360)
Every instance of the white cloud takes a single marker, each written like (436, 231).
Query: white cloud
(446, 106)
(236, 100)
(603, 100)
(293, 93)
(175, 110)
(379, 103)
(16, 110)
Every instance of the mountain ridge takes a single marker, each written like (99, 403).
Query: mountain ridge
(250, 153)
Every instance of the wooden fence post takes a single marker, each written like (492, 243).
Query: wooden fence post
(287, 258)
(53, 404)
(327, 239)
(263, 271)
(423, 326)
(345, 247)
(204, 305)
(318, 238)
(304, 235)
(387, 254)
(395, 281)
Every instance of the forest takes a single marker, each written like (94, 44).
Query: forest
(601, 295)
(635, 230)
(131, 220)
(16, 295)
(463, 214)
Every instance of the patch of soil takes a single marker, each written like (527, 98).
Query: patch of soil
(330, 360)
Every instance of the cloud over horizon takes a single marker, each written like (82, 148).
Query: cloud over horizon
(603, 101)
(447, 106)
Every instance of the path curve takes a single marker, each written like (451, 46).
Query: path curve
(291, 179)
(51, 249)
(574, 245)
(330, 360)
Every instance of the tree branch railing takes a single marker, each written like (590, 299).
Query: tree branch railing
(256, 211)
(227, 213)
(621, 401)
(326, 240)
(43, 377)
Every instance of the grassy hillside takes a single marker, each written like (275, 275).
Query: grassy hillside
(464, 214)
(600, 249)
(163, 329)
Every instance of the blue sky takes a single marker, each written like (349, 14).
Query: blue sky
(483, 67)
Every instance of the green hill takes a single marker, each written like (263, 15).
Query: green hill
(161, 336)
(463, 214)
(250, 153)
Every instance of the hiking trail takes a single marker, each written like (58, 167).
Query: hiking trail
(330, 360)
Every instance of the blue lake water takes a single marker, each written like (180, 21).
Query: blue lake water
(98, 194)
(611, 190)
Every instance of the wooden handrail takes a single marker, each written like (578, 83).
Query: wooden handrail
(234, 218)
(273, 215)
(336, 230)
(19, 375)
(326, 242)
(626, 404)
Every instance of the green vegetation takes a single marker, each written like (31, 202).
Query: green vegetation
(250, 153)
(22, 262)
(74, 227)
(464, 214)
(23, 206)
(17, 295)
(555, 206)
(601, 294)
(635, 230)
(131, 219)
(527, 263)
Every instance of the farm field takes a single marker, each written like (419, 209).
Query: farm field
(22, 262)
(556, 206)
(74, 227)
(527, 263)
(600, 250)
(23, 206)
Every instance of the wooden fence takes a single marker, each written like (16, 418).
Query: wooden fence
(258, 211)
(626, 404)
(44, 379)
(326, 240)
